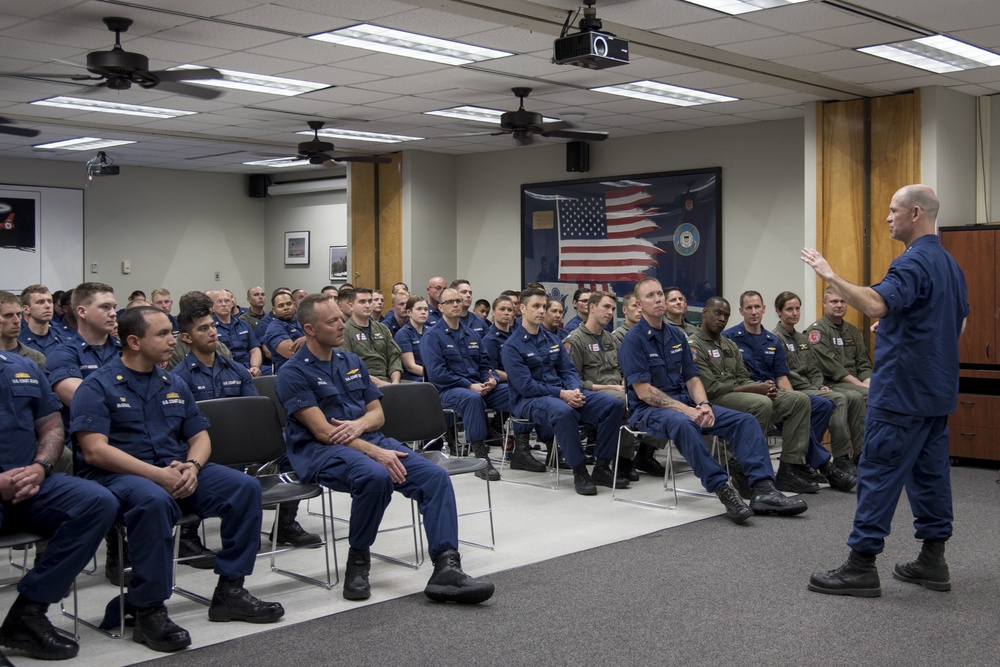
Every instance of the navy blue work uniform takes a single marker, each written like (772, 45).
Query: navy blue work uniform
(261, 329)
(408, 339)
(44, 344)
(151, 416)
(561, 334)
(224, 379)
(238, 337)
(572, 324)
(477, 324)
(277, 332)
(914, 387)
(341, 388)
(494, 340)
(433, 316)
(75, 513)
(76, 358)
(538, 368)
(764, 357)
(393, 325)
(662, 358)
(453, 360)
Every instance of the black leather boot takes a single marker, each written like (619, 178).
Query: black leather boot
(481, 451)
(450, 584)
(768, 500)
(289, 530)
(521, 458)
(625, 468)
(191, 547)
(929, 570)
(739, 479)
(28, 629)
(645, 462)
(359, 563)
(857, 577)
(736, 509)
(582, 482)
(154, 628)
(603, 475)
(232, 602)
(114, 561)
(838, 479)
(789, 479)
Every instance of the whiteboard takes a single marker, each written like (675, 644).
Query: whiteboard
(41, 237)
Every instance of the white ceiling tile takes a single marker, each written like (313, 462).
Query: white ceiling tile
(865, 34)
(778, 47)
(437, 24)
(389, 65)
(826, 61)
(654, 128)
(802, 17)
(276, 17)
(48, 32)
(984, 37)
(515, 40)
(774, 114)
(526, 65)
(719, 31)
(717, 121)
(349, 95)
(219, 35)
(873, 73)
(358, 10)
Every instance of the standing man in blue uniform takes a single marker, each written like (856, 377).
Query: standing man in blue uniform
(74, 513)
(237, 335)
(546, 389)
(334, 415)
(38, 332)
(922, 303)
(668, 400)
(143, 438)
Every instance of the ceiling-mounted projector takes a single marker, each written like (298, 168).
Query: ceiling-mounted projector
(591, 47)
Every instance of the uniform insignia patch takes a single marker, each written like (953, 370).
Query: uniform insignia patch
(21, 376)
(173, 394)
(815, 336)
(714, 353)
(119, 377)
(694, 354)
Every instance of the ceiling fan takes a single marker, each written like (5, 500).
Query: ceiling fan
(524, 125)
(118, 69)
(318, 151)
(7, 127)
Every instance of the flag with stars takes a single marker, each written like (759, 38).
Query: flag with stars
(599, 237)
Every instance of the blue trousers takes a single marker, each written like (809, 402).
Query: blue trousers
(819, 419)
(471, 407)
(739, 429)
(76, 515)
(600, 410)
(902, 451)
(350, 471)
(149, 514)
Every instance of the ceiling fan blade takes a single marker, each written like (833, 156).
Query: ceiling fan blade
(187, 90)
(559, 125)
(371, 159)
(201, 74)
(73, 77)
(577, 134)
(7, 128)
(70, 63)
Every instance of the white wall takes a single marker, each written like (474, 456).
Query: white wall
(177, 228)
(324, 215)
(762, 200)
(430, 224)
(948, 152)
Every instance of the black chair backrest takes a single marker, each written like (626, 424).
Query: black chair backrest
(245, 430)
(266, 386)
(412, 412)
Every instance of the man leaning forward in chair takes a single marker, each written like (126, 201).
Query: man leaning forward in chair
(334, 415)
(143, 438)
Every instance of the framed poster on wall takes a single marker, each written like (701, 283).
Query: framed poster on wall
(338, 263)
(297, 248)
(609, 233)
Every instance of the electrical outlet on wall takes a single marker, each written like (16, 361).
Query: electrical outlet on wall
(217, 278)
(93, 267)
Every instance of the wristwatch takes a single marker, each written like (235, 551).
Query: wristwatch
(45, 464)
(705, 403)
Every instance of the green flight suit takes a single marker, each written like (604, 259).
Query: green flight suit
(841, 351)
(376, 348)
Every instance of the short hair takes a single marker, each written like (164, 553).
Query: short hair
(32, 289)
(136, 294)
(533, 291)
(922, 196)
(647, 279)
(414, 300)
(549, 302)
(66, 299)
(194, 298)
(345, 296)
(580, 292)
(253, 288)
(830, 289)
(359, 290)
(537, 286)
(481, 302)
(405, 287)
(307, 307)
(783, 298)
(349, 286)
(7, 297)
(673, 288)
(628, 296)
(84, 293)
(749, 293)
(712, 300)
(187, 318)
(509, 292)
(280, 289)
(459, 281)
(502, 297)
(135, 303)
(597, 295)
(57, 295)
(294, 292)
(274, 297)
(135, 322)
(159, 291)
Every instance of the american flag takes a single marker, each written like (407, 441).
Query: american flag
(599, 237)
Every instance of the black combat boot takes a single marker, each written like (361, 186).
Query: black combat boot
(645, 462)
(154, 628)
(482, 451)
(521, 458)
(603, 475)
(359, 563)
(582, 482)
(190, 546)
(450, 584)
(289, 530)
(929, 570)
(768, 500)
(838, 479)
(736, 509)
(28, 629)
(232, 602)
(857, 577)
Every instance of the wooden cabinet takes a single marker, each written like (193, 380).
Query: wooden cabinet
(975, 426)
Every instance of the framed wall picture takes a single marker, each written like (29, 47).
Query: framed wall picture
(297, 248)
(609, 233)
(338, 263)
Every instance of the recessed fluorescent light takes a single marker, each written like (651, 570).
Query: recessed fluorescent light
(654, 91)
(479, 114)
(353, 135)
(409, 44)
(742, 6)
(936, 53)
(111, 107)
(258, 83)
(279, 162)
(83, 144)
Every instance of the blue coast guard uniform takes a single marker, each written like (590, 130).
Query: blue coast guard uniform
(537, 368)
(913, 389)
(224, 379)
(151, 416)
(662, 358)
(45, 344)
(492, 342)
(477, 324)
(764, 357)
(390, 322)
(239, 337)
(76, 358)
(408, 339)
(455, 359)
(277, 332)
(341, 388)
(74, 512)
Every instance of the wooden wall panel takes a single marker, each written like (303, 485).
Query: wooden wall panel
(390, 223)
(895, 162)
(387, 244)
(362, 225)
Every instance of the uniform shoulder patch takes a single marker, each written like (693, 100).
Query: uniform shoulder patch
(694, 354)
(815, 336)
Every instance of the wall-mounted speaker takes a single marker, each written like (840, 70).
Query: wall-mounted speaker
(258, 185)
(578, 156)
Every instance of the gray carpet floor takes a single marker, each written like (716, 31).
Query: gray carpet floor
(701, 593)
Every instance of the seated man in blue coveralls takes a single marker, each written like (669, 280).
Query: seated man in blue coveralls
(284, 335)
(211, 375)
(334, 415)
(75, 513)
(237, 335)
(667, 399)
(764, 357)
(142, 437)
(38, 332)
(456, 363)
(546, 389)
